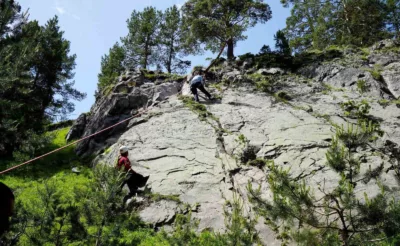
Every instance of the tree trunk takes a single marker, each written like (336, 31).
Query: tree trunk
(212, 63)
(230, 49)
(171, 49)
(145, 57)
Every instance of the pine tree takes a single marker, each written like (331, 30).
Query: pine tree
(281, 43)
(393, 16)
(331, 216)
(221, 23)
(316, 24)
(111, 66)
(310, 24)
(171, 42)
(354, 26)
(35, 73)
(142, 40)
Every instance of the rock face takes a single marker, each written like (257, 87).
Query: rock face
(77, 128)
(131, 94)
(199, 160)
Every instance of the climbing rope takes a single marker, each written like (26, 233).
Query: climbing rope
(75, 142)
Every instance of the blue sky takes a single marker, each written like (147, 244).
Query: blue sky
(93, 26)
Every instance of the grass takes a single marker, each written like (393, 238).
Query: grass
(361, 85)
(376, 72)
(384, 102)
(283, 95)
(329, 88)
(155, 197)
(48, 166)
(197, 108)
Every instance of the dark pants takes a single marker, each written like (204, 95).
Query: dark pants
(133, 181)
(199, 86)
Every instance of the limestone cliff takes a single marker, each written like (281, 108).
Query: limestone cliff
(197, 155)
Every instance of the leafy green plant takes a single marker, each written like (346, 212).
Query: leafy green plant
(384, 102)
(361, 85)
(283, 95)
(158, 197)
(260, 163)
(334, 217)
(357, 110)
(376, 72)
(196, 107)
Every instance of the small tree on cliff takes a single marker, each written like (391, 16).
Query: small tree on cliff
(334, 216)
(111, 66)
(142, 40)
(281, 43)
(221, 23)
(171, 38)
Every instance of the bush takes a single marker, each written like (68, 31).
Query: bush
(283, 96)
(260, 163)
(248, 154)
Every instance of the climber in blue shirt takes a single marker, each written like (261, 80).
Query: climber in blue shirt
(198, 83)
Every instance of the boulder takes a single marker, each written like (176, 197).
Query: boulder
(384, 44)
(391, 76)
(231, 76)
(271, 71)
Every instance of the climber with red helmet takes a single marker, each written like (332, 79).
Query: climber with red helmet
(133, 179)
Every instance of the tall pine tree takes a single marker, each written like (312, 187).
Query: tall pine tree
(171, 42)
(142, 40)
(222, 23)
(111, 66)
(35, 74)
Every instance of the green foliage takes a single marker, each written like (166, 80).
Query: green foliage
(217, 23)
(376, 74)
(263, 83)
(316, 25)
(356, 110)
(172, 42)
(166, 77)
(111, 66)
(334, 217)
(282, 95)
(158, 197)
(242, 139)
(142, 40)
(393, 16)
(59, 125)
(197, 108)
(281, 43)
(361, 85)
(384, 102)
(35, 73)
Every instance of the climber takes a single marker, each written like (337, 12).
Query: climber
(132, 179)
(198, 83)
(6, 207)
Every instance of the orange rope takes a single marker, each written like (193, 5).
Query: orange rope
(77, 141)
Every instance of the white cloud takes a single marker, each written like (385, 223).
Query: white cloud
(60, 10)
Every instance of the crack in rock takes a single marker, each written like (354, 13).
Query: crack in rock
(164, 156)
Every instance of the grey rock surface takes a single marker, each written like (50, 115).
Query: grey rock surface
(77, 128)
(199, 160)
(391, 76)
